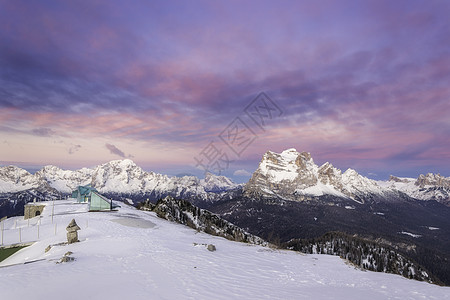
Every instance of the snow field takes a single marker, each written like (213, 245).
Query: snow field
(122, 260)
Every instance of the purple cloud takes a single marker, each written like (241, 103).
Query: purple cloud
(73, 148)
(176, 74)
(43, 132)
(114, 150)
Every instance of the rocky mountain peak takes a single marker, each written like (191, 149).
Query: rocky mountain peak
(285, 165)
(397, 179)
(304, 161)
(50, 168)
(13, 173)
(282, 173)
(350, 173)
(49, 172)
(432, 179)
(330, 175)
(13, 179)
(216, 183)
(122, 164)
(118, 173)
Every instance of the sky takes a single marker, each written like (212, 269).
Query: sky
(181, 87)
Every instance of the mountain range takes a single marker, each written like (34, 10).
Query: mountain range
(288, 175)
(118, 176)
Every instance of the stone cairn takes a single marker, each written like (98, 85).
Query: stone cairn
(72, 234)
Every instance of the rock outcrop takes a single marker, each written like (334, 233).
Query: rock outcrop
(432, 180)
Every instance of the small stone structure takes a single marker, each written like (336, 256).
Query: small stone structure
(72, 234)
(32, 210)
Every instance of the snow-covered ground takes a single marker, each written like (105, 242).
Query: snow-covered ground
(320, 189)
(131, 254)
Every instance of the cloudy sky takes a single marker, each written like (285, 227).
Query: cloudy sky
(175, 85)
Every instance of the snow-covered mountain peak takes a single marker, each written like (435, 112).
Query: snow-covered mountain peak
(330, 175)
(431, 179)
(119, 176)
(122, 164)
(63, 180)
(356, 184)
(13, 172)
(329, 170)
(126, 169)
(50, 169)
(350, 173)
(289, 154)
(14, 179)
(393, 178)
(283, 173)
(326, 166)
(285, 166)
(290, 173)
(216, 183)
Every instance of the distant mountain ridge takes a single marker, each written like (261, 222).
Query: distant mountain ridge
(118, 176)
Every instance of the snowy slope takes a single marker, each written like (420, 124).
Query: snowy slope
(132, 254)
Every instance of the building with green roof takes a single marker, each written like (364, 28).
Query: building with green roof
(97, 202)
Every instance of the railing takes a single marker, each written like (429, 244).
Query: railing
(17, 230)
